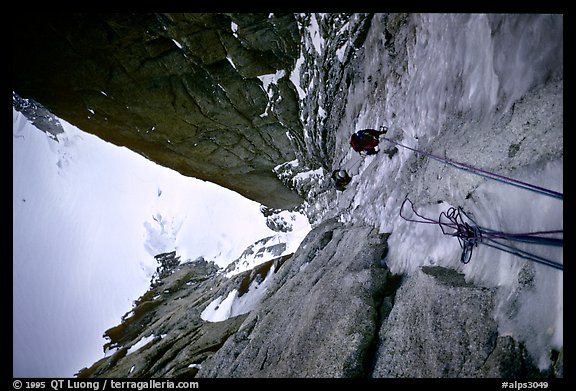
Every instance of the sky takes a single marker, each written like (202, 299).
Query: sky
(88, 218)
(75, 274)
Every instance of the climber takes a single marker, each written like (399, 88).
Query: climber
(366, 141)
(341, 179)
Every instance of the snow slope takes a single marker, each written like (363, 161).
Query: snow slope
(481, 89)
(88, 219)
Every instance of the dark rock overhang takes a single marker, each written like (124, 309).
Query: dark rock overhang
(180, 89)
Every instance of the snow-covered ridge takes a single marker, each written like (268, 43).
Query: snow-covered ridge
(89, 219)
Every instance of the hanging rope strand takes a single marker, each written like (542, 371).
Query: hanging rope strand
(529, 237)
(484, 173)
(535, 237)
(470, 235)
(523, 254)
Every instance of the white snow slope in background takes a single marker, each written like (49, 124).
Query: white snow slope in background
(88, 218)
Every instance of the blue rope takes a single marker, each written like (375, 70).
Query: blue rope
(480, 172)
(470, 235)
(524, 254)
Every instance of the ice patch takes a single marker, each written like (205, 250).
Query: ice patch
(177, 43)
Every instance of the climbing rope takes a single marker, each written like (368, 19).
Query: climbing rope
(456, 223)
(481, 172)
(355, 164)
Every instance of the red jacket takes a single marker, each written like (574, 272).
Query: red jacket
(365, 140)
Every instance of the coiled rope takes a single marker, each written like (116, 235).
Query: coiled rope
(455, 222)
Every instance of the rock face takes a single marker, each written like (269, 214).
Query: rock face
(164, 335)
(38, 116)
(441, 326)
(318, 317)
(181, 89)
(336, 311)
(321, 315)
(184, 91)
(332, 309)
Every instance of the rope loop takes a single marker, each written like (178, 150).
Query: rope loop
(468, 235)
(456, 223)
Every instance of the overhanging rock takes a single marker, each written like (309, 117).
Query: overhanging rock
(181, 89)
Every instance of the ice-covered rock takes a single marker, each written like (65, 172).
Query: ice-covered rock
(482, 89)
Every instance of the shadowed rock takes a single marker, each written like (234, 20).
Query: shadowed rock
(180, 89)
